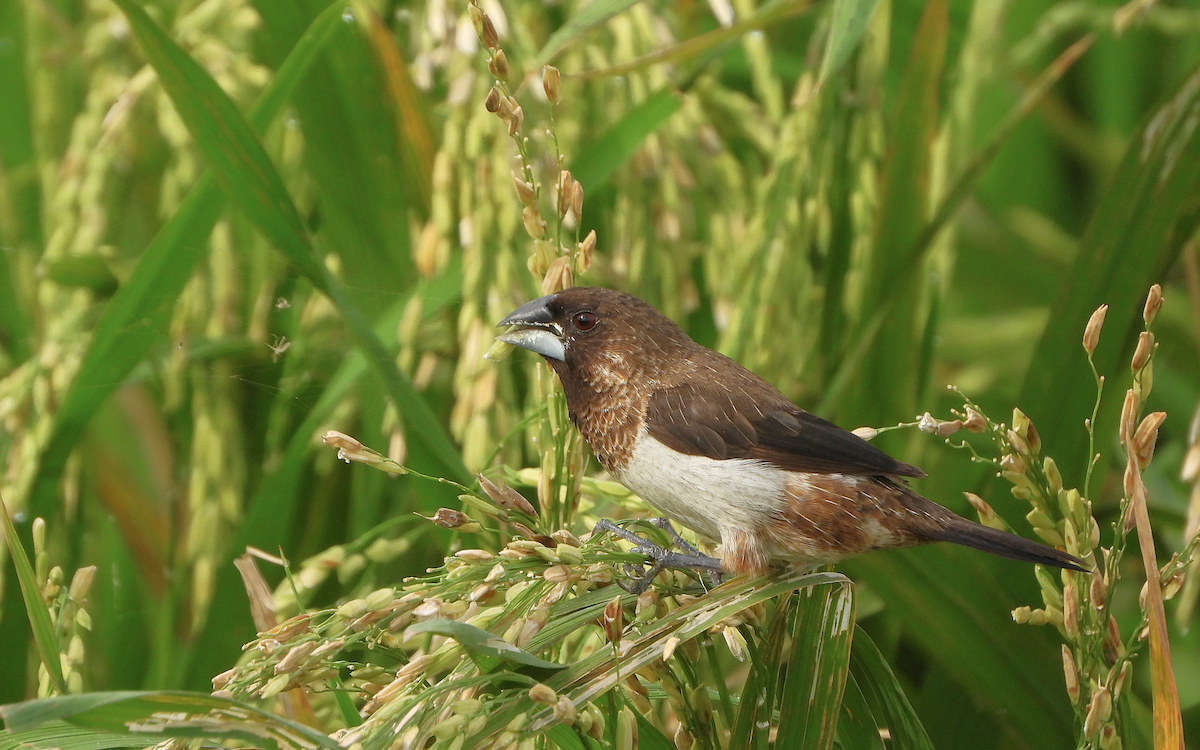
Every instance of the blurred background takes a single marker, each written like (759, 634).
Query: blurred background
(941, 200)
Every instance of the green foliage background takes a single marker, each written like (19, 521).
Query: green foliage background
(153, 416)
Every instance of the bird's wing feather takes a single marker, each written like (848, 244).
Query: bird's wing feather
(753, 420)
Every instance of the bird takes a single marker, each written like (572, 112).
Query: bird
(721, 451)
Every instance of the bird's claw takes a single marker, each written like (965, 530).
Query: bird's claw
(662, 558)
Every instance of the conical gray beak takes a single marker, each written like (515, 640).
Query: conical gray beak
(534, 329)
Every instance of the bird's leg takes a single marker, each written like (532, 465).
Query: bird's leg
(680, 542)
(662, 558)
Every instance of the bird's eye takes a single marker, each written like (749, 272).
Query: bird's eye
(584, 321)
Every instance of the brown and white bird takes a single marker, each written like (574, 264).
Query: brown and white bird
(718, 449)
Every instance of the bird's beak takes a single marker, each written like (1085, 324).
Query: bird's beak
(533, 328)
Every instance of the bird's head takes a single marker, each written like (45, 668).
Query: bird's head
(596, 335)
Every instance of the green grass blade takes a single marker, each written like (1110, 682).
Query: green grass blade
(175, 713)
(651, 737)
(354, 149)
(889, 371)
(818, 668)
(486, 649)
(135, 319)
(35, 606)
(850, 18)
(857, 726)
(59, 735)
(770, 14)
(886, 699)
(1140, 225)
(584, 20)
(244, 169)
(18, 175)
(272, 509)
(564, 737)
(591, 677)
(596, 163)
(955, 609)
(228, 143)
(757, 702)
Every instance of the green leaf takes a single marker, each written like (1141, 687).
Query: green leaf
(354, 148)
(171, 713)
(594, 675)
(850, 19)
(487, 649)
(885, 697)
(1149, 211)
(956, 610)
(281, 493)
(19, 186)
(585, 19)
(60, 735)
(84, 271)
(242, 166)
(597, 163)
(756, 707)
(565, 737)
(651, 737)
(857, 726)
(228, 143)
(888, 373)
(822, 632)
(35, 606)
(136, 318)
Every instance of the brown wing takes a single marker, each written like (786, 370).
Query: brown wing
(754, 420)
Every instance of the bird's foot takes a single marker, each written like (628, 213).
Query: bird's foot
(661, 559)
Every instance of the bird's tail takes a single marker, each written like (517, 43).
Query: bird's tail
(977, 536)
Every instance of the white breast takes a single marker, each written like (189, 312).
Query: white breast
(706, 495)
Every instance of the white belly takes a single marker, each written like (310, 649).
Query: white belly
(704, 494)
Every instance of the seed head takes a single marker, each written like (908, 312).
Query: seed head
(505, 107)
(552, 84)
(525, 192)
(613, 621)
(498, 65)
(558, 276)
(1128, 415)
(1119, 683)
(1071, 673)
(1191, 463)
(224, 678)
(586, 248)
(490, 38)
(533, 222)
(1053, 476)
(627, 734)
(735, 641)
(565, 711)
(477, 16)
(1113, 647)
(450, 519)
(1146, 436)
(1097, 590)
(1091, 334)
(683, 738)
(565, 192)
(1070, 612)
(543, 694)
(1141, 355)
(1154, 301)
(987, 516)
